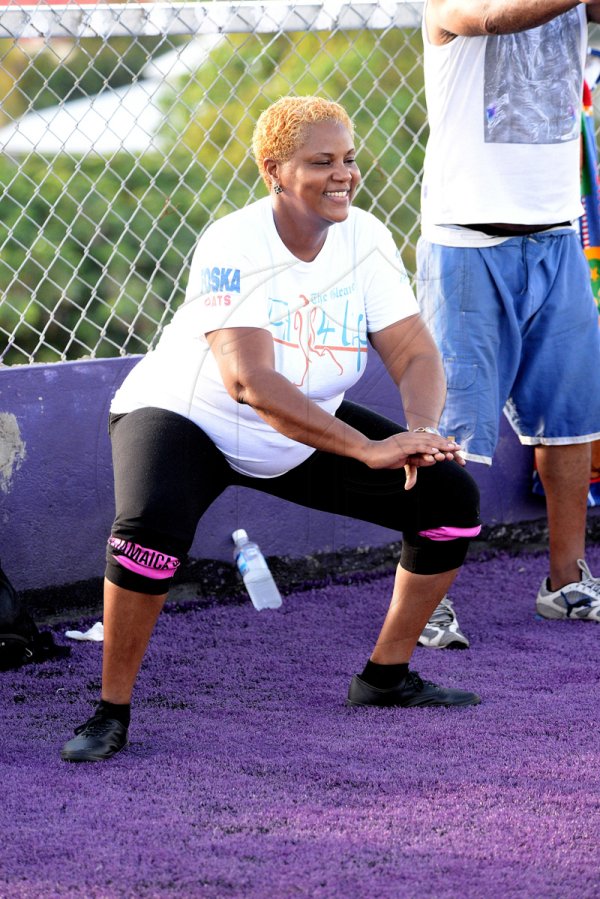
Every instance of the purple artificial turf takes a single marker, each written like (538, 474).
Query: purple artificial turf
(247, 776)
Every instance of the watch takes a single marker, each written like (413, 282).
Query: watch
(426, 431)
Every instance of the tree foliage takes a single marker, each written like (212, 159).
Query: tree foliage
(36, 74)
(95, 251)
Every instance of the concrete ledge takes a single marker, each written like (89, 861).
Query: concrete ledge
(56, 497)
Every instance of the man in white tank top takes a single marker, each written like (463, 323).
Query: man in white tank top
(502, 279)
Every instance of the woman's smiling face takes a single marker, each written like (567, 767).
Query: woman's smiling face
(321, 178)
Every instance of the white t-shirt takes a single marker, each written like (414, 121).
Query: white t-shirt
(505, 122)
(319, 313)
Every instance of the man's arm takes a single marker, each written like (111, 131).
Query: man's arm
(446, 19)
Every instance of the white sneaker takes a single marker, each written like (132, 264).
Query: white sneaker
(579, 600)
(442, 630)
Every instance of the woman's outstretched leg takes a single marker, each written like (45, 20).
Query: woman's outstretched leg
(167, 473)
(129, 620)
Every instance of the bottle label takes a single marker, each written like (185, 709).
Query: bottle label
(241, 562)
(250, 558)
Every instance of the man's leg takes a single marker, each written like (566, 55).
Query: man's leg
(553, 397)
(466, 315)
(570, 591)
(565, 475)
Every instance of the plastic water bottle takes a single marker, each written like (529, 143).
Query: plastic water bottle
(253, 567)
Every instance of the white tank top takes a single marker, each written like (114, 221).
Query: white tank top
(505, 120)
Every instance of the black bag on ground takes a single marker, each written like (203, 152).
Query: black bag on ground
(20, 639)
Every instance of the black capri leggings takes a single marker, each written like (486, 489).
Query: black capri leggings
(168, 472)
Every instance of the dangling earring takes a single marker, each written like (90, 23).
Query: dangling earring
(277, 189)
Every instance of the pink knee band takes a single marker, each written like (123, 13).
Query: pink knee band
(450, 533)
(147, 562)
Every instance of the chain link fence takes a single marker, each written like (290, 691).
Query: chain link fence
(125, 129)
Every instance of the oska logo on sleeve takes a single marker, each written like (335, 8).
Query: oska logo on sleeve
(218, 284)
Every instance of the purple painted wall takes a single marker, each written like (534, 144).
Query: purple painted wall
(56, 500)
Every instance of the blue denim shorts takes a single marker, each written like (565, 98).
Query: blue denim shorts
(517, 327)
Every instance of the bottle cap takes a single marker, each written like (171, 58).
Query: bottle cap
(239, 536)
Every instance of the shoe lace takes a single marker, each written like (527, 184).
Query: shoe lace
(443, 615)
(94, 726)
(415, 681)
(590, 585)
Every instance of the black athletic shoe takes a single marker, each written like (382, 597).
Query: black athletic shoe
(410, 692)
(99, 738)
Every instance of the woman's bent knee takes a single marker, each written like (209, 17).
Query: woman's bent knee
(139, 568)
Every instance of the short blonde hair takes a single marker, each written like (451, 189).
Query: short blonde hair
(281, 128)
